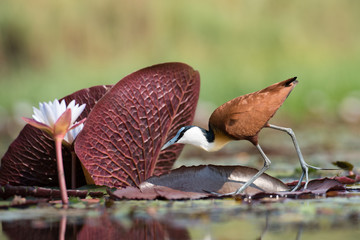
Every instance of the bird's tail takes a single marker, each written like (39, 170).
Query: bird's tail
(290, 82)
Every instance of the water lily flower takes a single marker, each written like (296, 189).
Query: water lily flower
(59, 121)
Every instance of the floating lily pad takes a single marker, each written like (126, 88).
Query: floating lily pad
(200, 182)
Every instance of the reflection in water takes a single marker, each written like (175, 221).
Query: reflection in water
(201, 219)
(101, 228)
(299, 233)
(62, 228)
(104, 228)
(266, 226)
(35, 229)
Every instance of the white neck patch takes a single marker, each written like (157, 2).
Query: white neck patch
(195, 136)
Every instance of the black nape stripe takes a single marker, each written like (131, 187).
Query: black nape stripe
(181, 134)
(210, 136)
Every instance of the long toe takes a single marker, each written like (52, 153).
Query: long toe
(296, 187)
(221, 194)
(306, 184)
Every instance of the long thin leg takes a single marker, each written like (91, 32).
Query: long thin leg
(304, 165)
(267, 163)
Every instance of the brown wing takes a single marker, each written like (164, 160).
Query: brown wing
(243, 117)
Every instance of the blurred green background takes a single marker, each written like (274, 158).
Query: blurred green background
(49, 49)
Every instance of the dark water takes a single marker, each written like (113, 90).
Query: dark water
(323, 218)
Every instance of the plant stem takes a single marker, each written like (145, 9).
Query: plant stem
(60, 166)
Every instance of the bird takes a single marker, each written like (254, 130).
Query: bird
(242, 118)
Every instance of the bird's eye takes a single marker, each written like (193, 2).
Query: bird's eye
(181, 132)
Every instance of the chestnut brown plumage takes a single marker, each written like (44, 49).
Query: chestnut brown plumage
(242, 118)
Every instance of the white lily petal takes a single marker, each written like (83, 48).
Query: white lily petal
(68, 137)
(43, 112)
(56, 109)
(71, 104)
(76, 111)
(60, 109)
(77, 130)
(82, 107)
(62, 106)
(72, 134)
(38, 116)
(73, 110)
(50, 116)
(52, 106)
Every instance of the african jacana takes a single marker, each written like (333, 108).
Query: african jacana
(242, 118)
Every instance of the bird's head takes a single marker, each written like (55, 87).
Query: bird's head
(191, 135)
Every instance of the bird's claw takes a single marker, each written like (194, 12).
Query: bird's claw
(221, 194)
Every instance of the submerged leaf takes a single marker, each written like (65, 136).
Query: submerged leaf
(120, 143)
(31, 157)
(344, 165)
(199, 182)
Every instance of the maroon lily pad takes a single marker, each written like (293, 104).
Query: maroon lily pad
(352, 179)
(321, 186)
(316, 187)
(31, 157)
(121, 140)
(200, 182)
